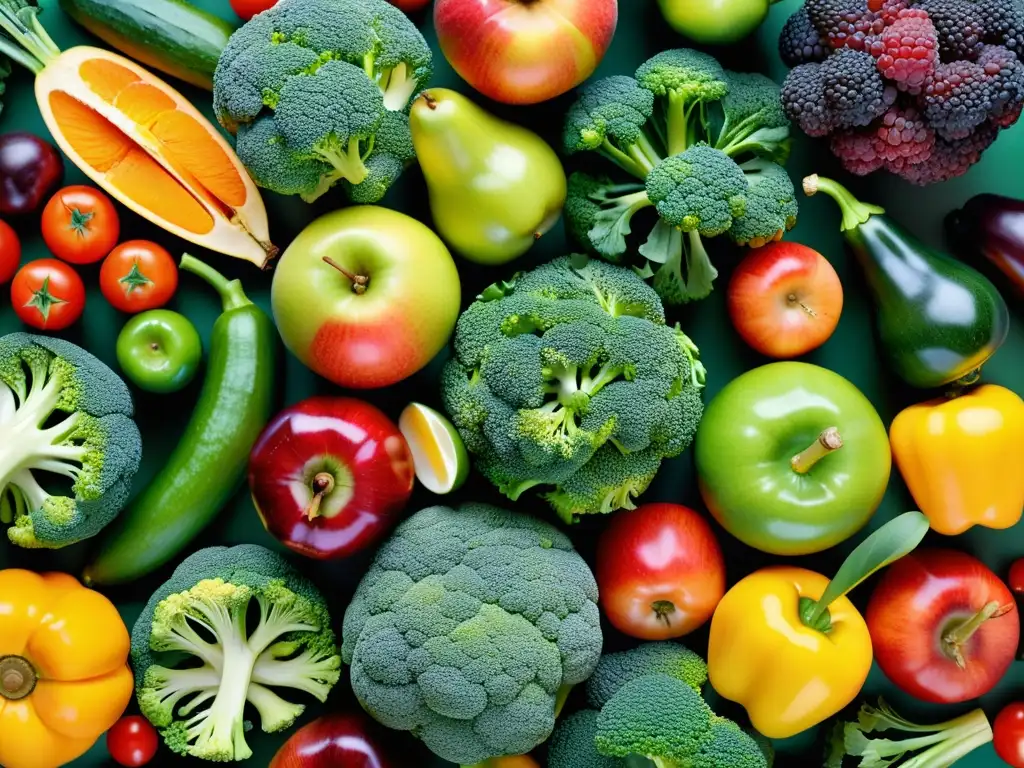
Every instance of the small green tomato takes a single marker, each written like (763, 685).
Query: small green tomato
(159, 351)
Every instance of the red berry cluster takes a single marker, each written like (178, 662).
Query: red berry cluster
(907, 50)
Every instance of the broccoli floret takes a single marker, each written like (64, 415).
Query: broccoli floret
(699, 190)
(771, 205)
(329, 72)
(599, 213)
(687, 80)
(570, 378)
(665, 658)
(467, 629)
(572, 744)
(198, 659)
(63, 414)
(752, 119)
(611, 117)
(667, 721)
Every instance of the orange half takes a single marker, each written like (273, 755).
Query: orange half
(145, 144)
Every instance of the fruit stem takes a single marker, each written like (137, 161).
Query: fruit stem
(17, 678)
(854, 211)
(828, 441)
(794, 299)
(664, 609)
(956, 638)
(429, 100)
(359, 282)
(231, 294)
(323, 484)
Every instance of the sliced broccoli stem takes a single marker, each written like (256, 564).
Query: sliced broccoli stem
(606, 374)
(854, 212)
(398, 88)
(275, 620)
(201, 682)
(307, 672)
(276, 714)
(347, 159)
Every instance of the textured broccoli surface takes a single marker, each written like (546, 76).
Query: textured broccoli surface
(599, 213)
(666, 720)
(660, 658)
(570, 378)
(467, 628)
(64, 416)
(771, 206)
(572, 744)
(700, 190)
(753, 119)
(309, 87)
(230, 626)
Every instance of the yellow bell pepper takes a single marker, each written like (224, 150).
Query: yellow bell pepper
(64, 678)
(963, 458)
(787, 643)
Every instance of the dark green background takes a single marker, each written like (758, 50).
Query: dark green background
(852, 351)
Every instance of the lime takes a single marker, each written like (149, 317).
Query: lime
(438, 453)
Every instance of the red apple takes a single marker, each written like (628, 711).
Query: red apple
(785, 299)
(525, 51)
(943, 626)
(349, 740)
(410, 6)
(660, 571)
(330, 475)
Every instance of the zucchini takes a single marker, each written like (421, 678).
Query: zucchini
(169, 35)
(210, 461)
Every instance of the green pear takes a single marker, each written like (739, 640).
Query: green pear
(494, 187)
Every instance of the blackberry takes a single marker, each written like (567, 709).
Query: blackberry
(960, 31)
(1006, 74)
(958, 99)
(800, 42)
(855, 92)
(1004, 23)
(803, 99)
(845, 23)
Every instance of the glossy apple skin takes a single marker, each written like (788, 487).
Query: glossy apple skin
(377, 338)
(30, 171)
(918, 598)
(354, 442)
(344, 740)
(785, 300)
(410, 6)
(659, 552)
(520, 52)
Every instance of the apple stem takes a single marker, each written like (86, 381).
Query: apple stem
(956, 638)
(323, 484)
(664, 609)
(792, 299)
(359, 282)
(828, 441)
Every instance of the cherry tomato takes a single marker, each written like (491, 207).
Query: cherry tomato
(80, 224)
(1009, 734)
(138, 275)
(10, 252)
(246, 9)
(1016, 579)
(132, 741)
(48, 294)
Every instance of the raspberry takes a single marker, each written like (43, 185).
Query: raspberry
(950, 159)
(903, 138)
(888, 10)
(961, 34)
(856, 151)
(958, 99)
(803, 99)
(845, 23)
(907, 51)
(800, 42)
(1006, 75)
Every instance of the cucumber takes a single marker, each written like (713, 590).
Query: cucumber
(210, 461)
(169, 35)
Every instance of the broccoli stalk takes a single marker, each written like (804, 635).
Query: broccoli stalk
(937, 745)
(22, 38)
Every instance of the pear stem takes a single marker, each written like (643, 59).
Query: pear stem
(429, 100)
(323, 484)
(359, 282)
(827, 442)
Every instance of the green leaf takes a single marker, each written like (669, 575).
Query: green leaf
(43, 300)
(80, 222)
(134, 280)
(5, 72)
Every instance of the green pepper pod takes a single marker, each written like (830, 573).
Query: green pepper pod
(210, 461)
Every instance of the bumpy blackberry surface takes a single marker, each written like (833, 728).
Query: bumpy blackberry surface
(1006, 73)
(958, 99)
(846, 23)
(803, 99)
(960, 31)
(1004, 23)
(800, 42)
(854, 89)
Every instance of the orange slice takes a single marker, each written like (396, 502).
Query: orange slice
(145, 144)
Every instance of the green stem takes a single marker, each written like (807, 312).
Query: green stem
(889, 543)
(854, 212)
(974, 731)
(231, 293)
(677, 129)
(956, 638)
(827, 442)
(21, 56)
(623, 160)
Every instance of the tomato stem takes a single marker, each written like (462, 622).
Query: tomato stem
(828, 441)
(956, 638)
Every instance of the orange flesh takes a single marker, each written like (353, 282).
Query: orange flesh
(127, 167)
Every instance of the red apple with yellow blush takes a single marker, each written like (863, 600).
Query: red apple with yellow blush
(366, 296)
(525, 51)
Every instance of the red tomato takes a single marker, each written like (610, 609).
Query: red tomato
(138, 275)
(48, 294)
(246, 9)
(943, 626)
(80, 225)
(1009, 734)
(660, 571)
(10, 252)
(132, 741)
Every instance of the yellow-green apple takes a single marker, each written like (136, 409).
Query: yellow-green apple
(366, 296)
(525, 51)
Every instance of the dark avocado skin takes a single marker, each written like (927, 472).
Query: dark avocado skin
(938, 319)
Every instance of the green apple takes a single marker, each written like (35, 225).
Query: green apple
(715, 22)
(366, 296)
(159, 351)
(792, 458)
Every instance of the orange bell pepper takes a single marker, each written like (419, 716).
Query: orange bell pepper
(962, 458)
(64, 677)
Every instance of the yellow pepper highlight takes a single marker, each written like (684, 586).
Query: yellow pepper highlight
(64, 678)
(963, 458)
(788, 676)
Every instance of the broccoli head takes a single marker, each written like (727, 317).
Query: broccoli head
(666, 720)
(700, 190)
(328, 73)
(569, 377)
(468, 628)
(572, 744)
(63, 415)
(665, 658)
(753, 121)
(229, 627)
(771, 205)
